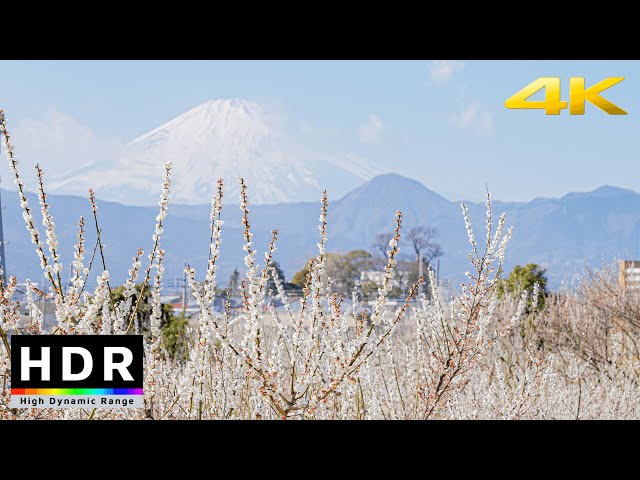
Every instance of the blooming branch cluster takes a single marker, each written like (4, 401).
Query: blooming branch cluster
(319, 355)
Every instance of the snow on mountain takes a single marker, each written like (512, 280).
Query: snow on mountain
(227, 139)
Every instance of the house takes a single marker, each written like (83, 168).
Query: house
(400, 278)
(629, 273)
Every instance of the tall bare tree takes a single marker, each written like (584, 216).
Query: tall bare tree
(423, 241)
(381, 243)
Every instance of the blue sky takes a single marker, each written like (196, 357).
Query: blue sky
(442, 123)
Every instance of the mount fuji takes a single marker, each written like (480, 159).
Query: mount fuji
(228, 139)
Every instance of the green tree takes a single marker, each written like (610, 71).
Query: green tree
(348, 268)
(300, 276)
(173, 336)
(358, 256)
(370, 289)
(524, 278)
(343, 268)
(171, 325)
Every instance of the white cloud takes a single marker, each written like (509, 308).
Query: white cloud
(443, 70)
(371, 130)
(474, 117)
(60, 144)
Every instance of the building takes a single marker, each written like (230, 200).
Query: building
(400, 278)
(629, 273)
(403, 280)
(40, 306)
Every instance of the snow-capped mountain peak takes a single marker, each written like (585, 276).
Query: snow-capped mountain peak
(225, 138)
(215, 117)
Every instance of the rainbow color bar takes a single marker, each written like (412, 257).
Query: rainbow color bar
(76, 391)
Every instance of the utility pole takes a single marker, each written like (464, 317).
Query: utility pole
(3, 263)
(44, 301)
(184, 292)
(420, 272)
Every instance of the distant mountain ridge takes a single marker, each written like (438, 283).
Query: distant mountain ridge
(561, 234)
